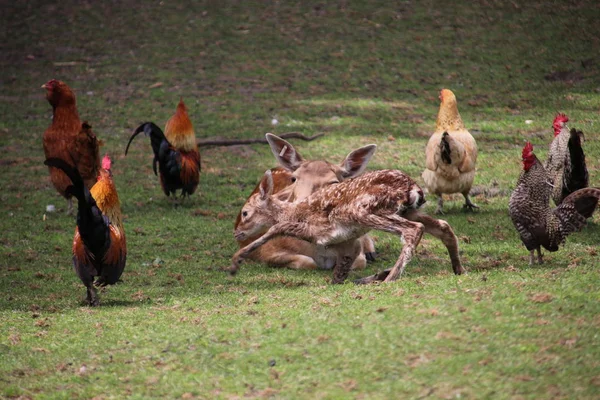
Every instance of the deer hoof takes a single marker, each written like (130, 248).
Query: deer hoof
(371, 256)
(378, 277)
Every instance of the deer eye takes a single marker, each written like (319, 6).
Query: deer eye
(244, 213)
(293, 179)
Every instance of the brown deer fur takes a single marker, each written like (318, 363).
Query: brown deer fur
(337, 215)
(294, 181)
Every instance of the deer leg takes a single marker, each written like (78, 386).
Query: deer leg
(360, 262)
(289, 229)
(443, 231)
(378, 277)
(368, 247)
(244, 252)
(287, 252)
(346, 253)
(294, 261)
(411, 232)
(411, 241)
(301, 262)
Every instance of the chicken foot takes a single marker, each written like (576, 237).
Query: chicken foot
(469, 205)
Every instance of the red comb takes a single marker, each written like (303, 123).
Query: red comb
(560, 117)
(106, 162)
(559, 121)
(527, 150)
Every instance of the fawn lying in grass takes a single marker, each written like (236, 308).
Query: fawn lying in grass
(295, 180)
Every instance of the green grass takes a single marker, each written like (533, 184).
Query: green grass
(361, 72)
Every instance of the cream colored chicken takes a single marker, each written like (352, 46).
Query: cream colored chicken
(451, 154)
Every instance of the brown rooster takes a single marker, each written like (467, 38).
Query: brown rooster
(99, 245)
(175, 152)
(529, 207)
(451, 154)
(566, 161)
(69, 139)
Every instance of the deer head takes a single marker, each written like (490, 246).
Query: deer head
(310, 176)
(257, 215)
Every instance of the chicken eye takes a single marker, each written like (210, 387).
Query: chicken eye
(244, 213)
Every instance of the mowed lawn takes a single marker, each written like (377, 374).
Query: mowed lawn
(360, 72)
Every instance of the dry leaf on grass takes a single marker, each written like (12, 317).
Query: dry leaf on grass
(541, 297)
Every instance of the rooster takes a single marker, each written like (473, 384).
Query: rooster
(69, 139)
(451, 154)
(175, 152)
(566, 160)
(99, 245)
(529, 207)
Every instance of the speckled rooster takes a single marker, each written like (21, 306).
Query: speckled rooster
(175, 152)
(99, 245)
(529, 207)
(566, 161)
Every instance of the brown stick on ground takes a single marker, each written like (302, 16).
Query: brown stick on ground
(233, 142)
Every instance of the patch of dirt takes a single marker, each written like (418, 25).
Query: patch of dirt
(563, 76)
(541, 297)
(243, 151)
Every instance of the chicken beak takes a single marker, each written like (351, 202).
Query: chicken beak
(44, 86)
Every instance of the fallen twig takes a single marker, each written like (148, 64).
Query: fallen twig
(233, 142)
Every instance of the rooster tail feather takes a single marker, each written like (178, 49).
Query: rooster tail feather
(154, 132)
(445, 149)
(579, 177)
(90, 221)
(583, 201)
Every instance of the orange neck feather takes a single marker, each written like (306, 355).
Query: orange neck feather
(179, 130)
(107, 199)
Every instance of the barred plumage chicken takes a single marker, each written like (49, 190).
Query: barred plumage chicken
(566, 160)
(529, 207)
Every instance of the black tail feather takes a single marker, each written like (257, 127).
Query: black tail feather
(154, 132)
(157, 138)
(445, 149)
(92, 224)
(578, 177)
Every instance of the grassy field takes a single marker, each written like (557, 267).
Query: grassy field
(361, 72)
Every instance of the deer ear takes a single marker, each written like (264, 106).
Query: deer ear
(285, 153)
(355, 163)
(266, 185)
